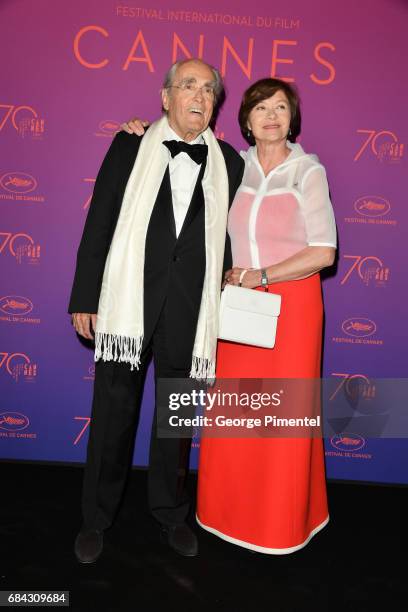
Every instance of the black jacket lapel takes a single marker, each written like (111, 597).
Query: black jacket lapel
(166, 201)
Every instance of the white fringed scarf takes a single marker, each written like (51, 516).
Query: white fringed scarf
(119, 327)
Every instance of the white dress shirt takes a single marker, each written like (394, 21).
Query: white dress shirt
(183, 177)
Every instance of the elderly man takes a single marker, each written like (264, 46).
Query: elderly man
(147, 283)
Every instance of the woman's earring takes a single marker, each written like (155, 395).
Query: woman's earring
(249, 133)
(290, 132)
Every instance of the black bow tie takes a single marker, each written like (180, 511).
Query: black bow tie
(197, 152)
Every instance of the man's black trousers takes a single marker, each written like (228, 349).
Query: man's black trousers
(115, 414)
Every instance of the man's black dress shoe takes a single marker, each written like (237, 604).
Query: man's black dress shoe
(88, 545)
(181, 539)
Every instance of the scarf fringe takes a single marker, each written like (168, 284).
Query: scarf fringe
(111, 347)
(203, 369)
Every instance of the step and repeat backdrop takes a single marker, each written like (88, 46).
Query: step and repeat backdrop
(73, 71)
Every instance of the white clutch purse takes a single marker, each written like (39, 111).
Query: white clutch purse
(248, 316)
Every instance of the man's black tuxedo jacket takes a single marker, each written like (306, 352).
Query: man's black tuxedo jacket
(174, 267)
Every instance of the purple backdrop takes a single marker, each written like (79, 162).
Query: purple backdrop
(73, 71)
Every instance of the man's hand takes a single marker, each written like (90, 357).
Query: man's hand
(85, 324)
(135, 126)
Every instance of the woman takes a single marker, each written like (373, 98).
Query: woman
(269, 494)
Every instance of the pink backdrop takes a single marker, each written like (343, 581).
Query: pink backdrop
(72, 71)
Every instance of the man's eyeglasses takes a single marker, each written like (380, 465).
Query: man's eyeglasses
(191, 89)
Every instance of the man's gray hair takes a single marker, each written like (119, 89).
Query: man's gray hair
(218, 82)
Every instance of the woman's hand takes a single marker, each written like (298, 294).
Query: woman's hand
(251, 279)
(135, 126)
